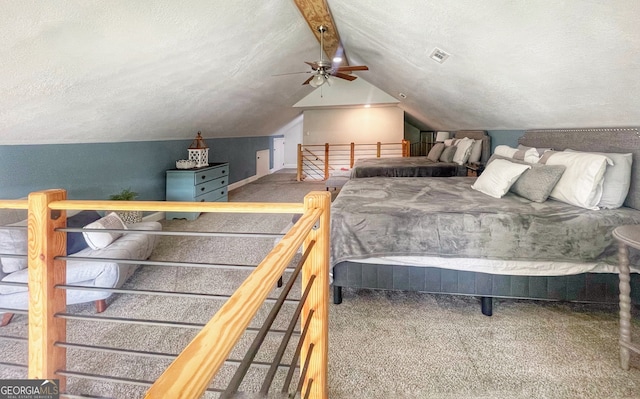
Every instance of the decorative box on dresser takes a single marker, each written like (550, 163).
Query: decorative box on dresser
(206, 184)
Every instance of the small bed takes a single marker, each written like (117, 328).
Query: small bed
(420, 166)
(440, 236)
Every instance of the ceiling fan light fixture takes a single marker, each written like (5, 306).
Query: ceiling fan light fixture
(317, 80)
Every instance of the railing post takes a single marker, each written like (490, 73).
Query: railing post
(317, 264)
(326, 161)
(406, 149)
(44, 273)
(353, 153)
(299, 174)
(378, 149)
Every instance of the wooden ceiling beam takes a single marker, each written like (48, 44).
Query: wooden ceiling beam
(316, 13)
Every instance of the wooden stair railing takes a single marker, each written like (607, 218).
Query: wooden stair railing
(193, 370)
(334, 156)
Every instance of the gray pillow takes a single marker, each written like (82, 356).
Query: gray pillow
(536, 183)
(448, 153)
(435, 152)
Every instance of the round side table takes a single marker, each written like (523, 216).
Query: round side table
(627, 236)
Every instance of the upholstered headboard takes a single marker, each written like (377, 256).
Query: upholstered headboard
(477, 135)
(621, 140)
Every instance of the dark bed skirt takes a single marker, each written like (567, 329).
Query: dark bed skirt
(586, 287)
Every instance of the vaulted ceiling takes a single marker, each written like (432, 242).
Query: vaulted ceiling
(131, 70)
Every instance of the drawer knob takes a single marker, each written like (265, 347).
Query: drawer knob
(201, 188)
(204, 177)
(202, 200)
(224, 171)
(222, 182)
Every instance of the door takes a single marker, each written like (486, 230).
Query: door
(278, 153)
(262, 163)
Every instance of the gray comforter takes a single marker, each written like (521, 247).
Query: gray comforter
(404, 167)
(445, 217)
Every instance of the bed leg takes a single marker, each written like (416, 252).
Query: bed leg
(486, 302)
(337, 295)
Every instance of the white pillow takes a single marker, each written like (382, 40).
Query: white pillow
(97, 240)
(581, 182)
(463, 150)
(498, 177)
(616, 180)
(476, 151)
(505, 151)
(530, 155)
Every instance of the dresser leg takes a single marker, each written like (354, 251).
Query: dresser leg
(625, 306)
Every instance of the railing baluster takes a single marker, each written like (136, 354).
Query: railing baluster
(283, 344)
(45, 272)
(296, 354)
(237, 378)
(318, 300)
(326, 161)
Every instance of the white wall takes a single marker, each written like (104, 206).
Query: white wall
(292, 132)
(358, 125)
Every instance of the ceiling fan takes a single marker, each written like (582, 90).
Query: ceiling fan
(323, 69)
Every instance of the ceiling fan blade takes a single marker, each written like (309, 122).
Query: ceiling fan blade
(306, 82)
(353, 68)
(313, 65)
(344, 76)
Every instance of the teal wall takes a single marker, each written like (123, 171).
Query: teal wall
(95, 171)
(504, 137)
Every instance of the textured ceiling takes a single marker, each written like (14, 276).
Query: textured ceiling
(125, 71)
(513, 64)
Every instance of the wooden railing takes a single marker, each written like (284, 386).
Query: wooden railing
(193, 370)
(316, 161)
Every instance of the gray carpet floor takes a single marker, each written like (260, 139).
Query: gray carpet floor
(382, 344)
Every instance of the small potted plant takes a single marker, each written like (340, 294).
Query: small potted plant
(127, 216)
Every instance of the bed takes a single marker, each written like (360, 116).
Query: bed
(419, 166)
(440, 236)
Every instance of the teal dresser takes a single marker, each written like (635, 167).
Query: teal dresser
(207, 184)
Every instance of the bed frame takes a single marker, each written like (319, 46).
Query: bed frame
(587, 287)
(420, 166)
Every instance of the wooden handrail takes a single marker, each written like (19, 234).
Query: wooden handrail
(14, 204)
(175, 206)
(403, 148)
(192, 371)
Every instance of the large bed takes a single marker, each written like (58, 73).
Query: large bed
(440, 236)
(419, 166)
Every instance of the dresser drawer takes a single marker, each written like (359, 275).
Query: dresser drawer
(207, 184)
(210, 185)
(210, 174)
(212, 196)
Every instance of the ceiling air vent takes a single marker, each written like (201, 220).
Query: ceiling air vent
(439, 55)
